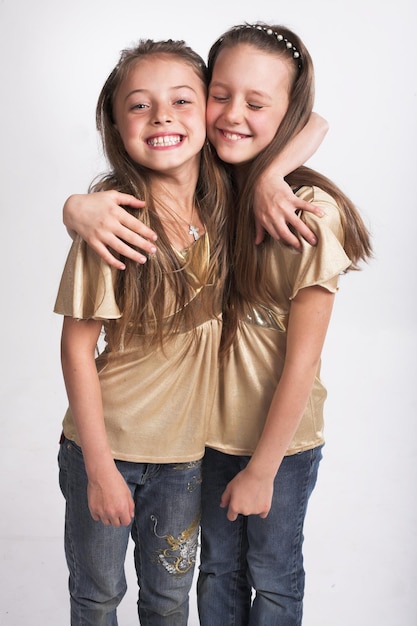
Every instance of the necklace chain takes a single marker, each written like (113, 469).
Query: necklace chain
(192, 230)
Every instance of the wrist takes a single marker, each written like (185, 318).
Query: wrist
(271, 175)
(262, 471)
(67, 212)
(98, 463)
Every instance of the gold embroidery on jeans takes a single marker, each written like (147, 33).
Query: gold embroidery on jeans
(195, 482)
(180, 556)
(186, 465)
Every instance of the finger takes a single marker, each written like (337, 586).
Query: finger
(126, 236)
(126, 518)
(280, 230)
(311, 208)
(114, 244)
(108, 257)
(135, 227)
(125, 248)
(303, 230)
(285, 234)
(127, 199)
(231, 515)
(259, 233)
(225, 499)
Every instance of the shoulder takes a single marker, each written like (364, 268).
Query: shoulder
(86, 289)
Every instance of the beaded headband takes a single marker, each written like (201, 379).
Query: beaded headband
(280, 38)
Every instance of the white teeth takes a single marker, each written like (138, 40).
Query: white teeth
(232, 136)
(170, 140)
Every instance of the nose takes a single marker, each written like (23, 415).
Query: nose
(162, 115)
(233, 112)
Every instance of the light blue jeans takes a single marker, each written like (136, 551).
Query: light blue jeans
(165, 532)
(264, 555)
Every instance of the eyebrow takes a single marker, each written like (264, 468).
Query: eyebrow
(252, 92)
(171, 89)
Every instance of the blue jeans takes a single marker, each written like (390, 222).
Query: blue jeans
(165, 531)
(264, 555)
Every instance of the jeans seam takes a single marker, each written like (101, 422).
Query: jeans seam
(236, 577)
(299, 534)
(67, 448)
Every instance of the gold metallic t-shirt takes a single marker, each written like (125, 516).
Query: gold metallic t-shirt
(156, 402)
(252, 370)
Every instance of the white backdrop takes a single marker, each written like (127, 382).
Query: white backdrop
(361, 529)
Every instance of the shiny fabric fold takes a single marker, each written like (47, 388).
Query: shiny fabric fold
(86, 290)
(251, 372)
(156, 400)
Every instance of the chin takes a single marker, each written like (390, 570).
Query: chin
(228, 157)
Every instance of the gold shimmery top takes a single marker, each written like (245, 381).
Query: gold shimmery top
(253, 368)
(156, 401)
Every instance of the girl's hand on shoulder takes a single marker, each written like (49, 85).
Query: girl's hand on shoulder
(247, 494)
(100, 219)
(109, 499)
(275, 207)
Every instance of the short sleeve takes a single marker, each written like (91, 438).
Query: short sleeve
(86, 290)
(320, 265)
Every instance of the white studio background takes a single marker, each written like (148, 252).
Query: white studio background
(360, 545)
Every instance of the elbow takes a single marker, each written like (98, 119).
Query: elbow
(321, 125)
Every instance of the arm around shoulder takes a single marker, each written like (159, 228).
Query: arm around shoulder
(100, 219)
(275, 204)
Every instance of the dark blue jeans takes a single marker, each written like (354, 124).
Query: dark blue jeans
(165, 532)
(254, 556)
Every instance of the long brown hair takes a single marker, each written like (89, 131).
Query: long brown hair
(247, 280)
(144, 291)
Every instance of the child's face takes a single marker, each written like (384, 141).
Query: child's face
(159, 111)
(248, 98)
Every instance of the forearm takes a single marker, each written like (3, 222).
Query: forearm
(275, 204)
(109, 497)
(307, 327)
(83, 390)
(250, 492)
(284, 417)
(72, 215)
(299, 149)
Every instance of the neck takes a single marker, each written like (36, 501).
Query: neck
(178, 195)
(176, 207)
(240, 173)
